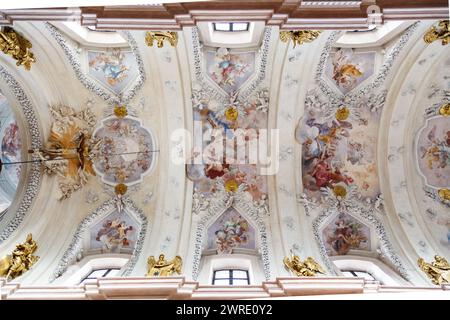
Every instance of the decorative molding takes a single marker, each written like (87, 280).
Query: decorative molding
(211, 90)
(435, 111)
(75, 250)
(74, 61)
(216, 206)
(34, 176)
(353, 205)
(337, 97)
(286, 14)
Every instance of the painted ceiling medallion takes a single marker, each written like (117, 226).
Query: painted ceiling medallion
(15, 45)
(230, 70)
(114, 69)
(347, 68)
(299, 36)
(126, 150)
(439, 32)
(433, 145)
(160, 36)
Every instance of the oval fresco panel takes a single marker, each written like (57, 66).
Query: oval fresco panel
(126, 149)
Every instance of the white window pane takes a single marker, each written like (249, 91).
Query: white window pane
(222, 26)
(239, 274)
(222, 282)
(364, 275)
(240, 26)
(240, 282)
(113, 273)
(347, 274)
(223, 274)
(97, 273)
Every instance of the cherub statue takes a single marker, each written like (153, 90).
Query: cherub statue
(163, 268)
(21, 259)
(438, 271)
(307, 268)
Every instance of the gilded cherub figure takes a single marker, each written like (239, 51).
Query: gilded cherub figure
(162, 267)
(21, 259)
(307, 268)
(438, 271)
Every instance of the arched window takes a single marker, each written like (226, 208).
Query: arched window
(101, 273)
(236, 277)
(358, 274)
(369, 268)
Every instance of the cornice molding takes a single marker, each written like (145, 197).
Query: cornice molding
(287, 14)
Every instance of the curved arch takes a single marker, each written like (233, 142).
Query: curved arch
(75, 273)
(34, 137)
(75, 250)
(370, 265)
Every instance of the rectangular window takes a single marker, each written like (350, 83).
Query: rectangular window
(231, 277)
(231, 26)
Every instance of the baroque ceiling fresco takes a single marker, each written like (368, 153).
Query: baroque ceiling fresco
(10, 152)
(360, 168)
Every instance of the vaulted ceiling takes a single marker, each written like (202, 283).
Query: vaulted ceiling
(359, 149)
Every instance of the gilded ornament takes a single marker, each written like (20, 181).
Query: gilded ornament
(307, 268)
(231, 185)
(299, 36)
(444, 110)
(120, 111)
(442, 32)
(231, 113)
(340, 191)
(444, 194)
(18, 47)
(342, 113)
(71, 149)
(438, 271)
(160, 36)
(121, 189)
(162, 267)
(21, 259)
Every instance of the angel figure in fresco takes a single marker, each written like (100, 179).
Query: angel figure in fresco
(111, 65)
(345, 72)
(437, 152)
(234, 232)
(345, 236)
(227, 67)
(113, 235)
(162, 267)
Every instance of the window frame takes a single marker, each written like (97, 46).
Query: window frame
(354, 271)
(231, 27)
(107, 271)
(230, 278)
